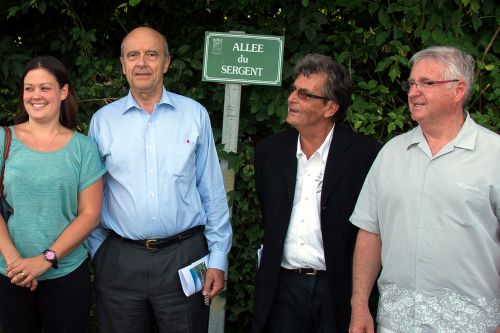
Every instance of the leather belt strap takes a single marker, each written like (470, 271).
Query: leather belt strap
(305, 271)
(158, 243)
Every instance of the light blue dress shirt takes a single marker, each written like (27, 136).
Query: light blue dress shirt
(163, 174)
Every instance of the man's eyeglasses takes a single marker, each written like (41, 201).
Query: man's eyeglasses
(304, 95)
(406, 85)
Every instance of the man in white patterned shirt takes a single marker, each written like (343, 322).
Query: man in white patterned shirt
(429, 212)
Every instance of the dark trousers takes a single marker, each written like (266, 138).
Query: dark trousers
(58, 305)
(302, 304)
(135, 285)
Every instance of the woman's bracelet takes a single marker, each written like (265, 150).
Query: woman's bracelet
(12, 261)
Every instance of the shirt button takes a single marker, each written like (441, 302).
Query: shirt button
(421, 226)
(152, 194)
(419, 259)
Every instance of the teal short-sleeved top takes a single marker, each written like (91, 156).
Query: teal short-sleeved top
(42, 188)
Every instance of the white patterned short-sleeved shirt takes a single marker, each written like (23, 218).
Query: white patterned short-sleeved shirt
(438, 217)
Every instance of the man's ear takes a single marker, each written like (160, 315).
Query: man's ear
(332, 109)
(167, 64)
(123, 66)
(460, 90)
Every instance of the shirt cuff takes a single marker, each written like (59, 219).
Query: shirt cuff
(218, 260)
(95, 239)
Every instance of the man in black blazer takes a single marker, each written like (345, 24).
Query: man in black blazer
(308, 179)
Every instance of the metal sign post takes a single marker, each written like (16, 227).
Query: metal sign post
(235, 59)
(230, 124)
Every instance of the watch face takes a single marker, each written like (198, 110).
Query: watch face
(50, 255)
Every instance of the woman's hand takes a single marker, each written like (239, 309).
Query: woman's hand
(24, 271)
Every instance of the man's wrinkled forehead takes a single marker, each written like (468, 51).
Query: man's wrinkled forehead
(145, 39)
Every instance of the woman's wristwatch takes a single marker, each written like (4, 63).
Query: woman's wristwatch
(51, 257)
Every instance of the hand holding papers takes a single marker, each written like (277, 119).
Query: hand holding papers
(193, 276)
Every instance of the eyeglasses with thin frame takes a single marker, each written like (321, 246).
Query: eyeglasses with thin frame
(406, 85)
(304, 95)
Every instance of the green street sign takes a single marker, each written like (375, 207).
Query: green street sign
(244, 59)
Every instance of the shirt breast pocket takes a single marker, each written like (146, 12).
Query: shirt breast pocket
(179, 160)
(466, 202)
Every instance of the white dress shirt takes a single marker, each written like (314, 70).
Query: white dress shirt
(304, 242)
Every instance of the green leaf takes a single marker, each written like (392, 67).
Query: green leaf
(134, 3)
(489, 67)
(476, 23)
(12, 11)
(383, 89)
(425, 35)
(372, 84)
(310, 34)
(42, 7)
(381, 37)
(394, 71)
(372, 7)
(391, 127)
(319, 18)
(196, 64)
(363, 85)
(384, 19)
(382, 65)
(303, 23)
(183, 49)
(18, 57)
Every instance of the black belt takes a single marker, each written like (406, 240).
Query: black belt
(305, 271)
(158, 243)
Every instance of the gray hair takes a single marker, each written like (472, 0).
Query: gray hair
(338, 86)
(460, 65)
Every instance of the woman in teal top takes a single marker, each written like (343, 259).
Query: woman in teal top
(53, 181)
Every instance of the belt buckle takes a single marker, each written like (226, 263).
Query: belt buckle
(313, 273)
(151, 244)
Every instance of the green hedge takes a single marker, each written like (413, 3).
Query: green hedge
(373, 39)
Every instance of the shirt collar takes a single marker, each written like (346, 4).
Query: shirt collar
(466, 137)
(322, 150)
(165, 99)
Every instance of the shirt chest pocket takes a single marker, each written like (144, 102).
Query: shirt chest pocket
(179, 159)
(466, 202)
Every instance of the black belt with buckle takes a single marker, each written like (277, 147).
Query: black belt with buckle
(305, 271)
(158, 243)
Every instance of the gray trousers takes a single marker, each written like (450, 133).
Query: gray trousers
(136, 287)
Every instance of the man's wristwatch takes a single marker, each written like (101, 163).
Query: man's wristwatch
(51, 257)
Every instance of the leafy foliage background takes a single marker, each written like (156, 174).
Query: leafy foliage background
(374, 39)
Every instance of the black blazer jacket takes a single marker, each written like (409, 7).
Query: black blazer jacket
(349, 159)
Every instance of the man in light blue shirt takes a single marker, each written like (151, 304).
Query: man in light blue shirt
(163, 188)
